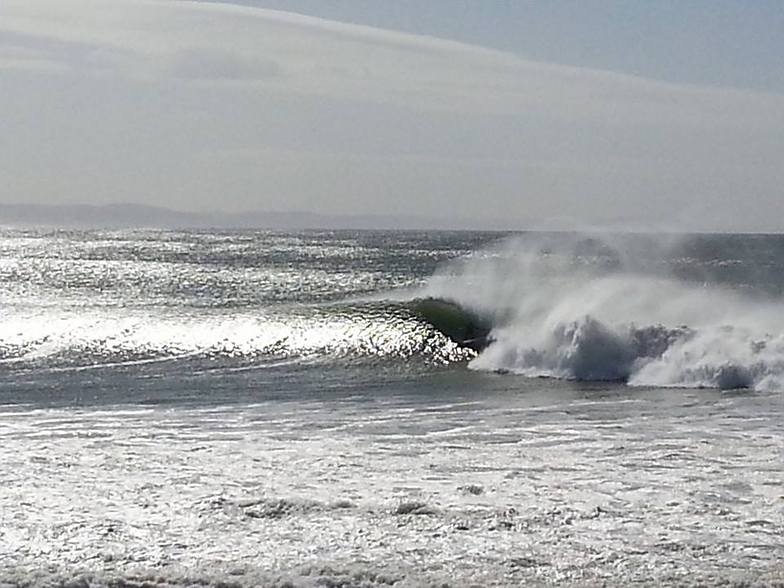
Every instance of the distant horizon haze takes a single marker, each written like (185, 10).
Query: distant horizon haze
(125, 215)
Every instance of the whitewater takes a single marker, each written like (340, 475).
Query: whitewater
(377, 408)
(615, 308)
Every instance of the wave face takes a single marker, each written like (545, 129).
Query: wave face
(651, 311)
(69, 339)
(90, 299)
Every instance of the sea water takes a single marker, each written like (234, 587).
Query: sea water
(225, 408)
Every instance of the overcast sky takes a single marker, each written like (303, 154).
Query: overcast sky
(665, 115)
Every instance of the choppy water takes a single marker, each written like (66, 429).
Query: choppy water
(240, 408)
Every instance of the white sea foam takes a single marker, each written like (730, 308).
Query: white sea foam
(350, 488)
(611, 309)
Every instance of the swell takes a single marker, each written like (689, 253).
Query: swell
(427, 331)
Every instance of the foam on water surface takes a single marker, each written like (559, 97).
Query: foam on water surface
(597, 488)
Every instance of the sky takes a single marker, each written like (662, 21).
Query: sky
(495, 113)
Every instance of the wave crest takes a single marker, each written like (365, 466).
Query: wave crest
(58, 337)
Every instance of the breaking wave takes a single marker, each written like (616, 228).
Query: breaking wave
(648, 311)
(627, 309)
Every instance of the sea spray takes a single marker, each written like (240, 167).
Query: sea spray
(618, 308)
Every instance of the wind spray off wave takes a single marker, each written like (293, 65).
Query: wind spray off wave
(643, 310)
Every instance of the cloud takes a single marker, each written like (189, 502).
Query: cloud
(143, 100)
(220, 41)
(200, 64)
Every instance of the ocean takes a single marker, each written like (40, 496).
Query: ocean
(390, 408)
